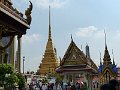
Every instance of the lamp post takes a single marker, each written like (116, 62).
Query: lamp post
(23, 63)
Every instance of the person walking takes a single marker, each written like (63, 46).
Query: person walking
(73, 87)
(68, 86)
(44, 87)
(59, 87)
(54, 87)
(77, 86)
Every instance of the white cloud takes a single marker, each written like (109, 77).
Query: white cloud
(95, 37)
(30, 38)
(85, 32)
(95, 33)
(46, 3)
(41, 3)
(53, 3)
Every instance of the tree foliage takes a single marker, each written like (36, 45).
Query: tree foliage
(8, 78)
(6, 69)
(12, 79)
(21, 80)
(59, 78)
(6, 72)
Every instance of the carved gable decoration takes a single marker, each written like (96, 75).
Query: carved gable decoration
(74, 56)
(107, 69)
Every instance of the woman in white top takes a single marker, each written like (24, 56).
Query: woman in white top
(59, 87)
(54, 87)
(44, 87)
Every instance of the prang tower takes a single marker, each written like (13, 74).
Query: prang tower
(49, 61)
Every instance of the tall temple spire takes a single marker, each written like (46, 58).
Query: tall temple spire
(105, 40)
(100, 59)
(49, 24)
(49, 43)
(49, 61)
(71, 38)
(106, 59)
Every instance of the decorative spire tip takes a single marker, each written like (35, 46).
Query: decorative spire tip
(71, 38)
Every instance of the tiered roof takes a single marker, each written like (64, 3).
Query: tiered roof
(49, 61)
(75, 60)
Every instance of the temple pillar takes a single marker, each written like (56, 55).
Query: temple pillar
(72, 78)
(12, 53)
(1, 58)
(90, 81)
(19, 54)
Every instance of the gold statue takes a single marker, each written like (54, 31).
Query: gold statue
(28, 13)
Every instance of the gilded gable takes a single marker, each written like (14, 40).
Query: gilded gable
(74, 56)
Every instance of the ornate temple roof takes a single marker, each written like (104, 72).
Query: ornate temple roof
(107, 65)
(75, 59)
(106, 59)
(73, 56)
(73, 68)
(111, 67)
(12, 19)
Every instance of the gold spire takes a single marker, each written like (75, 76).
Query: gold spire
(49, 45)
(49, 25)
(49, 61)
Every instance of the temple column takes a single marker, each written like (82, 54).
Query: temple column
(12, 53)
(1, 52)
(19, 53)
(73, 79)
(90, 81)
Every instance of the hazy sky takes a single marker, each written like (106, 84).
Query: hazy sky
(84, 19)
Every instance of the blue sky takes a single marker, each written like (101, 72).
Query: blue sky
(84, 19)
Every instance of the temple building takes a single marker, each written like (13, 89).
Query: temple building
(76, 66)
(12, 24)
(108, 69)
(49, 61)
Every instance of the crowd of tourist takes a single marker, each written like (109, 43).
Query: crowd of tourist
(39, 85)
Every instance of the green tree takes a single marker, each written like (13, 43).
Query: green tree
(21, 81)
(59, 78)
(11, 81)
(7, 76)
(5, 70)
